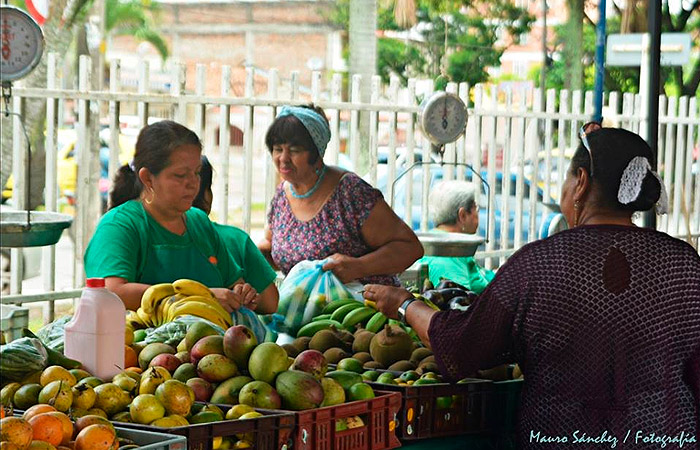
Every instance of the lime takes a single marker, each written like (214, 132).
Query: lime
(444, 402)
(386, 378)
(139, 335)
(360, 391)
(409, 375)
(351, 364)
(370, 375)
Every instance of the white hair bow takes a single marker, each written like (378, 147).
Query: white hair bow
(631, 183)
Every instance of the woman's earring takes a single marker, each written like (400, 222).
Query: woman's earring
(153, 196)
(577, 207)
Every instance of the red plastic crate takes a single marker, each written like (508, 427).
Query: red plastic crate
(421, 417)
(315, 428)
(270, 432)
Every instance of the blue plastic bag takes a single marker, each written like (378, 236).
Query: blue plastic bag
(250, 319)
(306, 290)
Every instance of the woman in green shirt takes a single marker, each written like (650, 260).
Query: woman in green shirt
(453, 209)
(256, 270)
(152, 235)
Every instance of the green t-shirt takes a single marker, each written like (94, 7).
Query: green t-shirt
(129, 243)
(463, 270)
(256, 270)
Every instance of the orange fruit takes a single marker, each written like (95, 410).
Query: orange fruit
(40, 445)
(130, 358)
(47, 428)
(67, 426)
(97, 437)
(86, 421)
(4, 445)
(36, 410)
(16, 431)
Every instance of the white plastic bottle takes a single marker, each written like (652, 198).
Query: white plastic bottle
(95, 335)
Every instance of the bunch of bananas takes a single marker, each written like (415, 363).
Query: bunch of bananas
(162, 303)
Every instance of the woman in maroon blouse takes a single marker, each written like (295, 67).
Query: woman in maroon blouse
(603, 319)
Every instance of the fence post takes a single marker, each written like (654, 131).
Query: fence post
(410, 156)
(270, 172)
(224, 144)
(248, 135)
(373, 130)
(354, 136)
(48, 254)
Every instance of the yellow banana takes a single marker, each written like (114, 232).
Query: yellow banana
(145, 317)
(155, 293)
(199, 309)
(191, 287)
(211, 302)
(133, 317)
(168, 303)
(157, 317)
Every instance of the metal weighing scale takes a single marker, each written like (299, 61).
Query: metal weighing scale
(22, 47)
(443, 119)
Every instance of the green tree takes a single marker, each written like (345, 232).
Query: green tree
(677, 80)
(456, 39)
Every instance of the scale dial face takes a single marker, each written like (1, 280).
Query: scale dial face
(443, 117)
(22, 43)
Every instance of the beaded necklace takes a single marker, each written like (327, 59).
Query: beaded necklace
(321, 173)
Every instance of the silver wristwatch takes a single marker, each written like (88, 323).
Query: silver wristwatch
(403, 308)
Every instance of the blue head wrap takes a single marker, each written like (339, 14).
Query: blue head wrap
(313, 122)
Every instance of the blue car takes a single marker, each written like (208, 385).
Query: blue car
(547, 215)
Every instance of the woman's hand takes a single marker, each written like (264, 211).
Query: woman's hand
(248, 294)
(387, 298)
(229, 299)
(344, 267)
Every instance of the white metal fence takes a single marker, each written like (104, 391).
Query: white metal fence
(519, 144)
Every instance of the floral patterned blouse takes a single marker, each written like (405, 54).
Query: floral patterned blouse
(336, 228)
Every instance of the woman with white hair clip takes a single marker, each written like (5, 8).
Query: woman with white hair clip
(453, 209)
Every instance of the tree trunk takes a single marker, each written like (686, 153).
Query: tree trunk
(573, 49)
(363, 61)
(57, 38)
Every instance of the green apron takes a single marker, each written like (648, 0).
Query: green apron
(170, 262)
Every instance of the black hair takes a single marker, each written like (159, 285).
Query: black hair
(613, 149)
(290, 130)
(154, 145)
(205, 177)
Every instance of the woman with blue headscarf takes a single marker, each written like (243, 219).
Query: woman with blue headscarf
(320, 211)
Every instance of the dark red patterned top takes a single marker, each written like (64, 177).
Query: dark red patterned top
(605, 324)
(336, 228)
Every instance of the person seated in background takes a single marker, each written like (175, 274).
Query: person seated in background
(256, 270)
(453, 209)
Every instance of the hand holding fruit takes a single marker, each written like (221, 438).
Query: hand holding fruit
(387, 298)
(229, 299)
(248, 293)
(344, 267)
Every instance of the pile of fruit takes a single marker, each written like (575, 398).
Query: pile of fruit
(162, 303)
(392, 347)
(42, 427)
(165, 382)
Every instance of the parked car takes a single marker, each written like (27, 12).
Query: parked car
(67, 167)
(547, 215)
